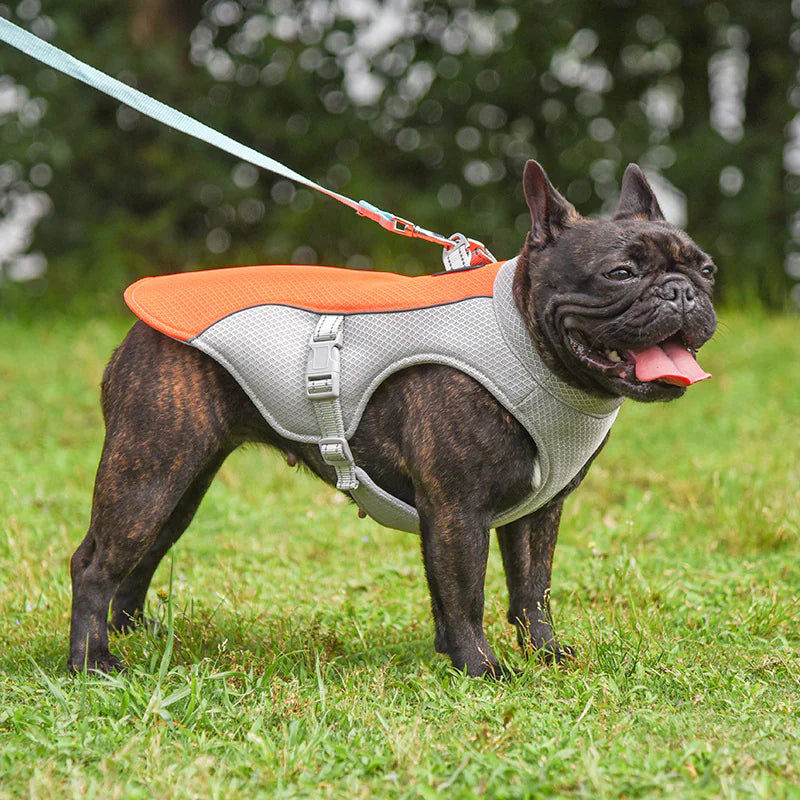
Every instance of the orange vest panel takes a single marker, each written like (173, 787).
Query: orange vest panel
(185, 304)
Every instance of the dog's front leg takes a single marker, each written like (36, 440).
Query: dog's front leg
(527, 547)
(455, 548)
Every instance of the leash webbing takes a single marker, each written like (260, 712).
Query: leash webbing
(463, 249)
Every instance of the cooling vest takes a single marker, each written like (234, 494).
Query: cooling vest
(309, 345)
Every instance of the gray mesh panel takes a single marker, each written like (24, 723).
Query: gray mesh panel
(265, 348)
(462, 335)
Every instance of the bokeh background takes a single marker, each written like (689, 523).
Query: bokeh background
(428, 110)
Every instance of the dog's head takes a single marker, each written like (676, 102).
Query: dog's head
(615, 306)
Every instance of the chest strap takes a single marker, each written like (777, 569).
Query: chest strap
(322, 388)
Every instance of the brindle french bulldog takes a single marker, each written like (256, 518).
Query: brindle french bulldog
(603, 301)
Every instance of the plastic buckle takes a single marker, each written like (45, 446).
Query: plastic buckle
(322, 369)
(465, 253)
(335, 451)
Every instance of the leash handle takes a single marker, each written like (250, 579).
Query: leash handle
(62, 61)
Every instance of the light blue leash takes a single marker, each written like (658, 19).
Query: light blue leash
(459, 251)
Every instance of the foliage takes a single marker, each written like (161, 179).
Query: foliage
(428, 110)
(299, 658)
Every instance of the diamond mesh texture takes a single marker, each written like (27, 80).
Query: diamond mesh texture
(265, 348)
(462, 335)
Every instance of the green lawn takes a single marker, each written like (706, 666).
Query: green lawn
(296, 656)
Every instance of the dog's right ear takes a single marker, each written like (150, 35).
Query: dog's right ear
(550, 212)
(636, 199)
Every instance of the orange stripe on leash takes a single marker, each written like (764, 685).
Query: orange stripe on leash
(185, 304)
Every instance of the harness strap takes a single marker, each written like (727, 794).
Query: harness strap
(322, 388)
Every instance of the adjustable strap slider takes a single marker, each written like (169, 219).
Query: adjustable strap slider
(336, 451)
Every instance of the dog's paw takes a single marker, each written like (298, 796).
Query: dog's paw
(492, 670)
(549, 653)
(558, 655)
(497, 672)
(106, 664)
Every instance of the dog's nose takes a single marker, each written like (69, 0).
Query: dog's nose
(679, 292)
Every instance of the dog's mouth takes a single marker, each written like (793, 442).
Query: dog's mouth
(671, 361)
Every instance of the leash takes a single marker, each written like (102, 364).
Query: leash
(459, 250)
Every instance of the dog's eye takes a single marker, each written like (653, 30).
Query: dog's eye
(620, 274)
(708, 271)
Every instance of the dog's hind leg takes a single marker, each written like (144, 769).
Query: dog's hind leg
(170, 415)
(124, 529)
(128, 603)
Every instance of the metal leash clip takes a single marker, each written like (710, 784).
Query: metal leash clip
(465, 253)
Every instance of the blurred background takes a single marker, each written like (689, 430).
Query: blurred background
(428, 110)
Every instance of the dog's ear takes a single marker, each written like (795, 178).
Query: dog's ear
(550, 212)
(636, 198)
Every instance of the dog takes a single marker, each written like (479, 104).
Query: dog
(602, 305)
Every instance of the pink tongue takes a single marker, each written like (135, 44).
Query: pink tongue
(669, 362)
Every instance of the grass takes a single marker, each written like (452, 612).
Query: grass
(294, 655)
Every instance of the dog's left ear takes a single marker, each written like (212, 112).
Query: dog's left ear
(550, 212)
(636, 198)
